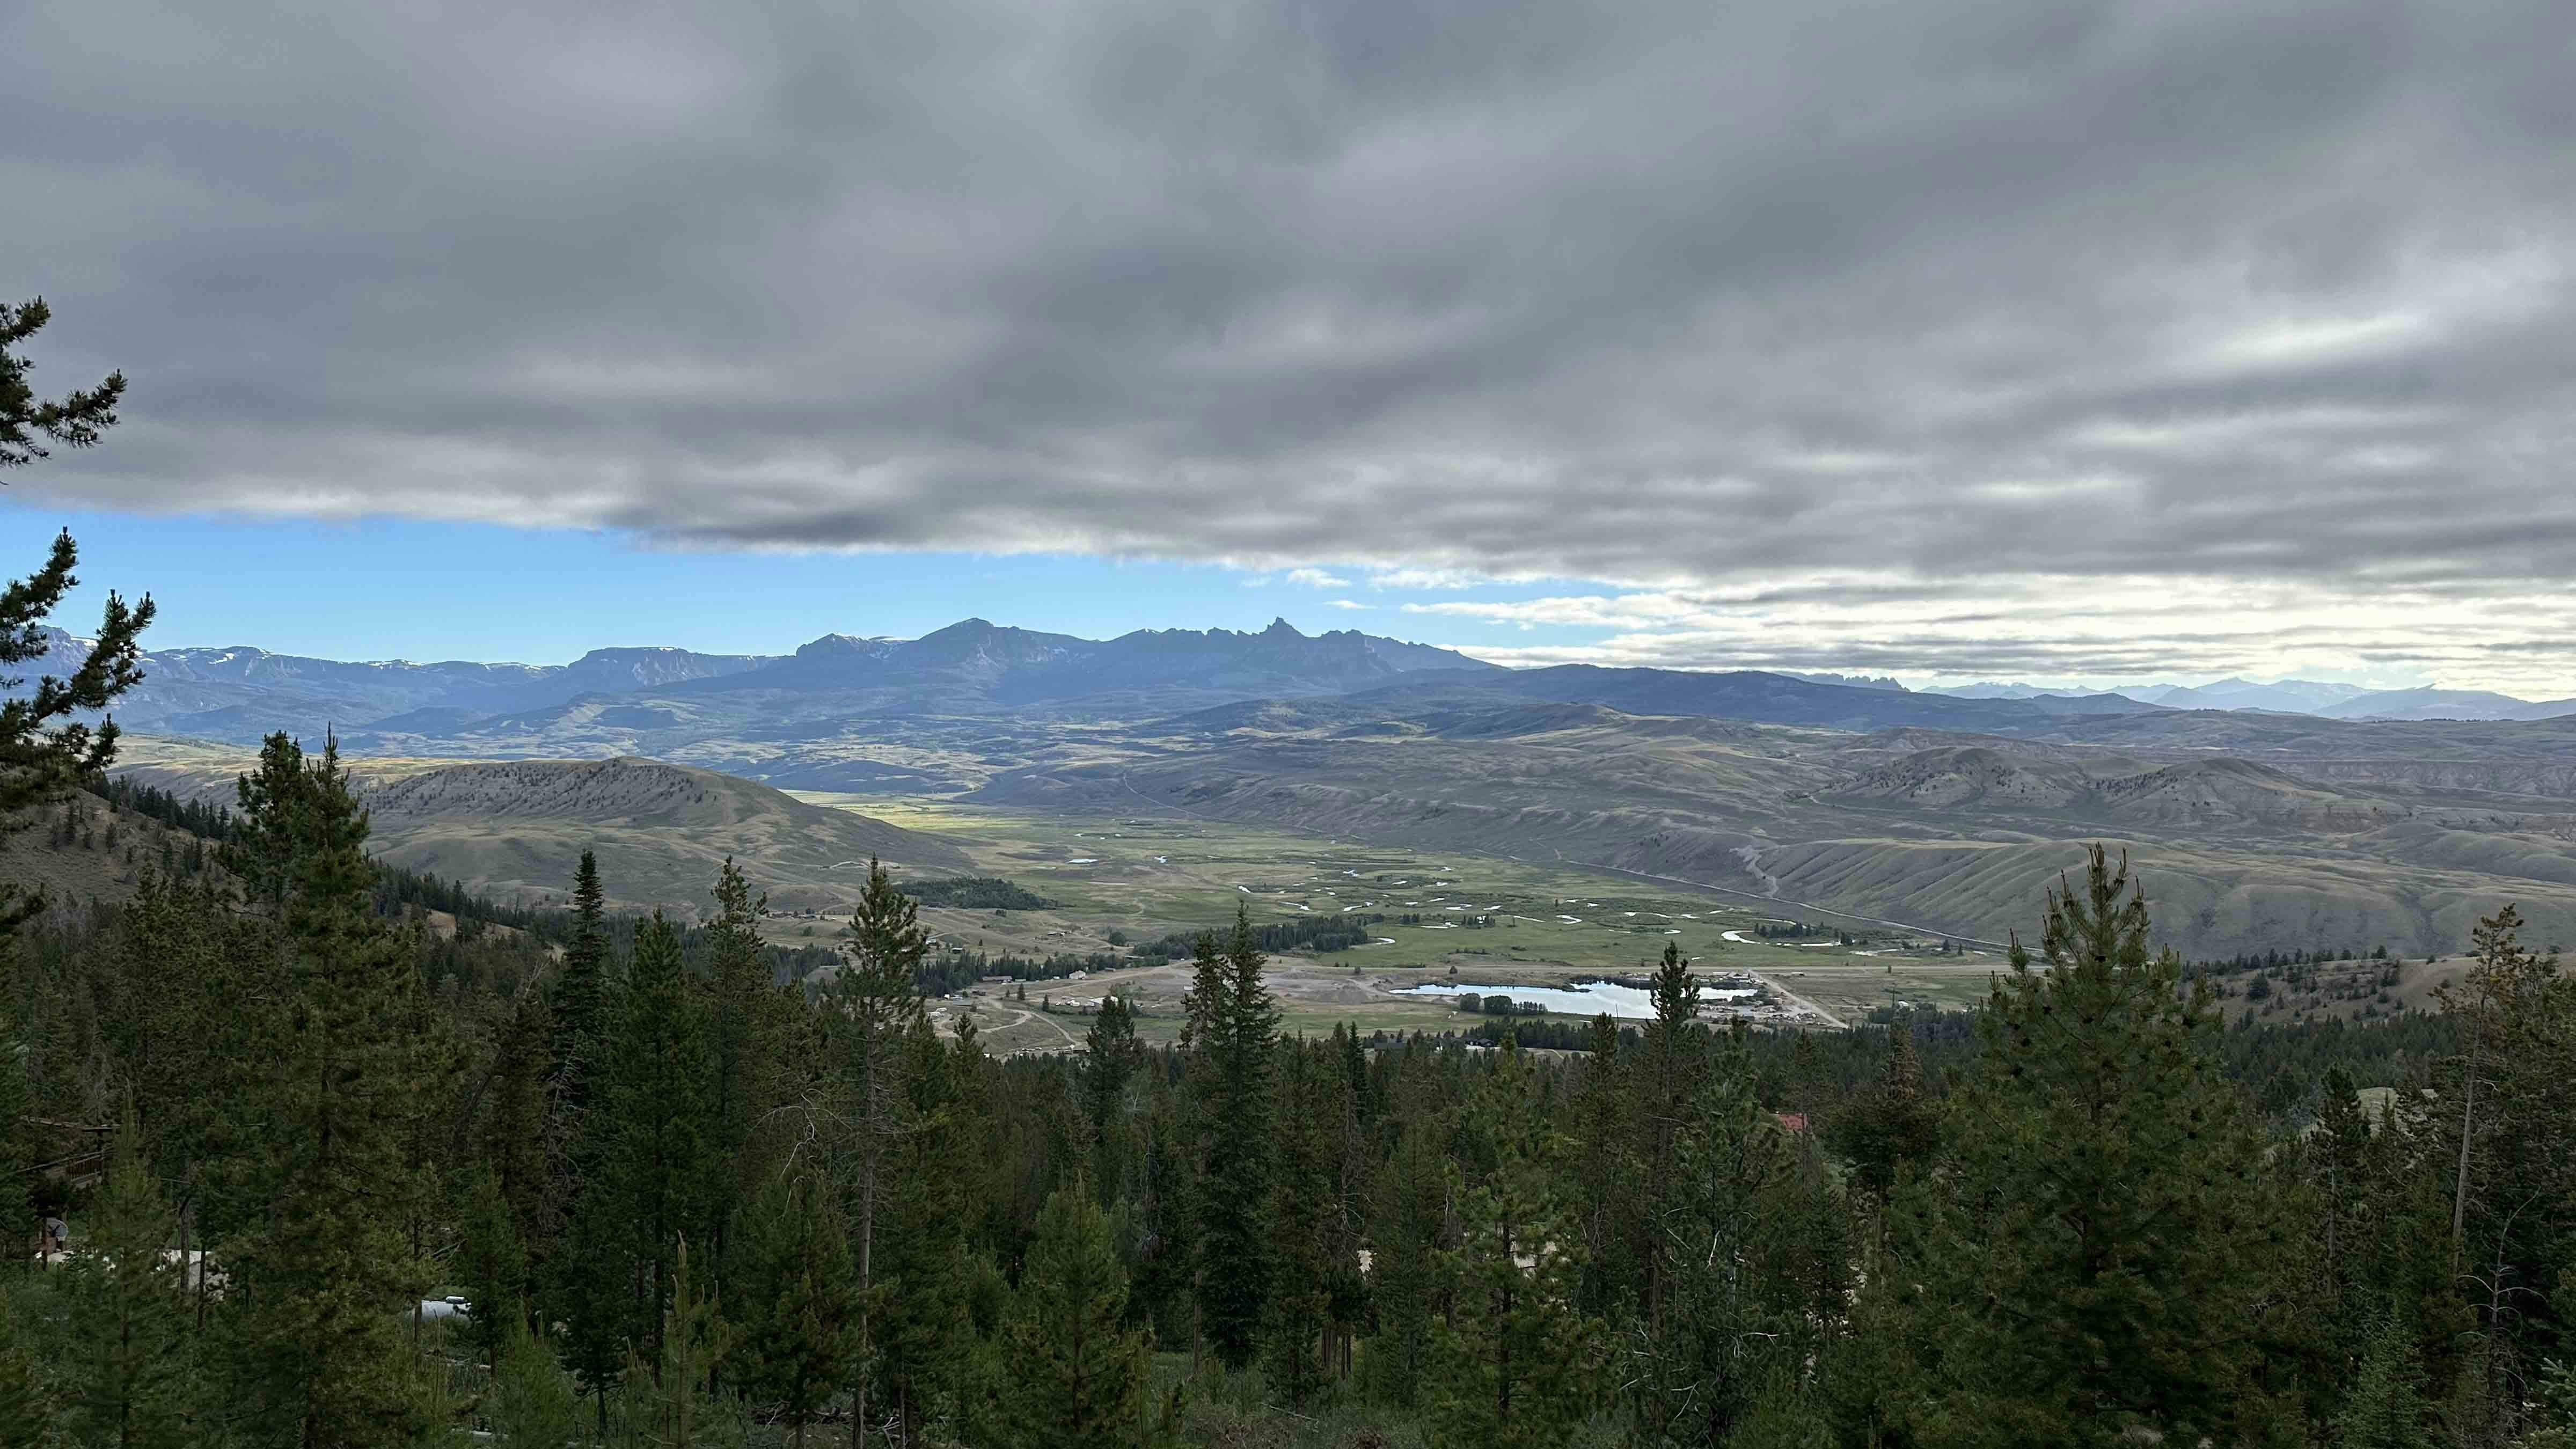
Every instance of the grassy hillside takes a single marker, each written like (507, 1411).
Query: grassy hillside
(661, 830)
(97, 860)
(2206, 900)
(1955, 833)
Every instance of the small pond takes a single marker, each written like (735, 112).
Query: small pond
(1631, 1002)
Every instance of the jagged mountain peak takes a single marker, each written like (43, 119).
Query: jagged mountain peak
(842, 644)
(240, 692)
(975, 663)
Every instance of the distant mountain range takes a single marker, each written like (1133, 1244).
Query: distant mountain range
(773, 716)
(2290, 696)
(208, 689)
(1765, 698)
(2423, 704)
(1856, 681)
(2327, 700)
(970, 667)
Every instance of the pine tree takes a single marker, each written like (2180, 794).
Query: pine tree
(516, 1132)
(1350, 1147)
(26, 1409)
(1203, 1005)
(1303, 1207)
(1167, 1216)
(592, 1291)
(916, 1320)
(1080, 1375)
(746, 1036)
(1515, 1362)
(872, 1003)
(2513, 1161)
(276, 799)
(1673, 992)
(345, 1088)
(1892, 1124)
(656, 1165)
(2553, 1407)
(46, 747)
(1409, 1268)
(1111, 1057)
(2385, 1406)
(691, 1341)
(797, 1300)
(1674, 1044)
(1235, 1223)
(492, 1267)
(1724, 1333)
(124, 1335)
(2485, 1004)
(580, 1002)
(1606, 1178)
(2094, 1261)
(532, 1404)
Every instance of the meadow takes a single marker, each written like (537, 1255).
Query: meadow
(1124, 878)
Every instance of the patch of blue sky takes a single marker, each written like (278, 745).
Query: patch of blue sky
(390, 588)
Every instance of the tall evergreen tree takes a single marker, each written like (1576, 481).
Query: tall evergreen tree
(654, 1167)
(1725, 1332)
(1235, 1222)
(2498, 985)
(918, 1321)
(1893, 1123)
(517, 1138)
(1606, 1154)
(592, 1284)
(1203, 1004)
(1110, 1060)
(2092, 1263)
(1302, 1237)
(1350, 1148)
(125, 1335)
(746, 1036)
(871, 1005)
(2508, 1099)
(1674, 1046)
(797, 1300)
(1166, 1278)
(492, 1267)
(1409, 1266)
(343, 1099)
(1516, 1362)
(1079, 1373)
(580, 1004)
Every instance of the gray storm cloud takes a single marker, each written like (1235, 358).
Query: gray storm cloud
(1669, 295)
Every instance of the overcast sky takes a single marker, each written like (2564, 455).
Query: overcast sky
(1975, 338)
